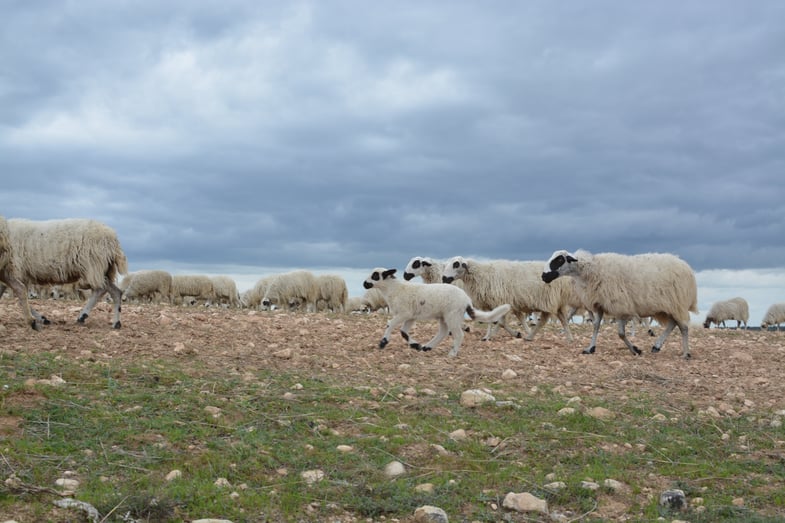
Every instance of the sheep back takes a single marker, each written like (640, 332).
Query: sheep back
(775, 315)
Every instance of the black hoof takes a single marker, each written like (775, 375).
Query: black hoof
(636, 350)
(655, 349)
(81, 318)
(590, 350)
(688, 356)
(415, 346)
(426, 348)
(116, 325)
(383, 343)
(651, 332)
(34, 325)
(519, 335)
(45, 321)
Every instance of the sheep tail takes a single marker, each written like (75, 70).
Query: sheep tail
(470, 311)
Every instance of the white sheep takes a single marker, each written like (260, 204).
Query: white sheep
(7, 276)
(333, 292)
(659, 285)
(148, 285)
(732, 309)
(225, 291)
(774, 316)
(252, 298)
(292, 288)
(515, 282)
(198, 286)
(409, 302)
(374, 300)
(55, 252)
(355, 304)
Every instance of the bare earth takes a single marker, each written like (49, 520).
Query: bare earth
(742, 369)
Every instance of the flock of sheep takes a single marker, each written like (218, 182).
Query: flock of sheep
(68, 256)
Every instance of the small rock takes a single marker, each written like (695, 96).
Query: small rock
(67, 484)
(429, 514)
(211, 520)
(566, 411)
(525, 502)
(285, 354)
(394, 469)
(222, 482)
(312, 476)
(556, 485)
(614, 485)
(458, 435)
(475, 397)
(173, 475)
(426, 488)
(590, 485)
(215, 412)
(344, 448)
(509, 374)
(600, 413)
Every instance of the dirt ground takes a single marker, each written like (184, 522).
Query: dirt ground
(735, 372)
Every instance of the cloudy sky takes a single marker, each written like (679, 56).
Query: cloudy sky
(350, 134)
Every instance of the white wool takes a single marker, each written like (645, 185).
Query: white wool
(7, 276)
(292, 289)
(148, 285)
(333, 292)
(775, 315)
(658, 285)
(733, 309)
(225, 291)
(66, 251)
(409, 302)
(198, 286)
(518, 283)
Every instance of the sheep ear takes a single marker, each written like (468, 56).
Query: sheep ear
(426, 264)
(389, 273)
(465, 265)
(570, 259)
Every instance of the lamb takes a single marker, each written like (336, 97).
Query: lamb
(732, 309)
(409, 302)
(198, 286)
(774, 316)
(659, 285)
(333, 292)
(7, 276)
(66, 251)
(292, 287)
(515, 282)
(148, 285)
(225, 291)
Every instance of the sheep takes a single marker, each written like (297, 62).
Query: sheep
(659, 285)
(7, 274)
(355, 304)
(732, 309)
(374, 300)
(409, 302)
(252, 298)
(333, 292)
(148, 285)
(292, 287)
(225, 291)
(55, 252)
(198, 286)
(515, 282)
(774, 316)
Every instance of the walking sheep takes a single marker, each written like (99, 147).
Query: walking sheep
(55, 252)
(7, 276)
(733, 309)
(409, 302)
(515, 282)
(774, 316)
(658, 285)
(148, 285)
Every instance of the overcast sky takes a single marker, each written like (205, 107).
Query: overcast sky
(358, 134)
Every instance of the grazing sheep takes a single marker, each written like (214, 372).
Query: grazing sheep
(225, 291)
(774, 316)
(515, 282)
(66, 251)
(732, 309)
(252, 298)
(148, 285)
(374, 300)
(333, 292)
(197, 286)
(295, 287)
(69, 291)
(409, 302)
(355, 304)
(7, 276)
(658, 285)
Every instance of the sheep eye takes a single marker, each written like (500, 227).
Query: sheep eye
(416, 264)
(557, 262)
(375, 276)
(455, 265)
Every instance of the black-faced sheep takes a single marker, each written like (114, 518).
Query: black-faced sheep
(66, 251)
(7, 276)
(732, 309)
(658, 285)
(409, 302)
(775, 315)
(515, 282)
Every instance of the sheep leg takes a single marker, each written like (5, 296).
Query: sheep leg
(565, 321)
(21, 294)
(623, 335)
(405, 334)
(668, 328)
(492, 328)
(94, 297)
(394, 323)
(597, 321)
(117, 298)
(457, 338)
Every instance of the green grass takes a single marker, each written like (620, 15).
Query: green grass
(121, 430)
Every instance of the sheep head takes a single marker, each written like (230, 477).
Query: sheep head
(559, 264)
(454, 269)
(379, 275)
